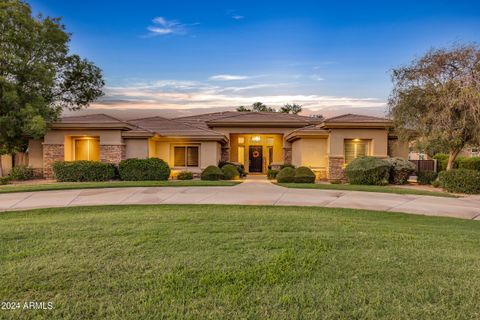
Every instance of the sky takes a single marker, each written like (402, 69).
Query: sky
(332, 57)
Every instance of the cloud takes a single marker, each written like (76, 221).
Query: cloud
(183, 95)
(162, 26)
(227, 77)
(316, 77)
(237, 17)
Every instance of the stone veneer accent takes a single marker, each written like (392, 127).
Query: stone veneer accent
(51, 153)
(112, 153)
(335, 168)
(225, 156)
(287, 155)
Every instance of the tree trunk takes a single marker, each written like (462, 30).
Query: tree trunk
(452, 155)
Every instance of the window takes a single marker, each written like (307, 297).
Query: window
(241, 140)
(355, 148)
(87, 149)
(185, 156)
(241, 155)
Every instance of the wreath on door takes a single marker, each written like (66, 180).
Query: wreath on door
(255, 154)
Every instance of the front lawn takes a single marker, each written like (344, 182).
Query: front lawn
(113, 184)
(230, 262)
(367, 188)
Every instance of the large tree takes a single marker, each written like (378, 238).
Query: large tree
(38, 76)
(436, 99)
(291, 108)
(256, 107)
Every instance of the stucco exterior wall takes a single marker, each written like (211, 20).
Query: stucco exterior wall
(136, 148)
(378, 144)
(209, 152)
(35, 153)
(107, 137)
(6, 163)
(310, 152)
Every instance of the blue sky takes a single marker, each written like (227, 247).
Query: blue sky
(332, 57)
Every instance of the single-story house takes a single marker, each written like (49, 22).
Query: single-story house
(256, 139)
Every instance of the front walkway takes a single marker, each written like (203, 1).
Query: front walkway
(256, 190)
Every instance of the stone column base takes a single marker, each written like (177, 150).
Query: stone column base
(336, 172)
(287, 155)
(112, 153)
(225, 156)
(51, 154)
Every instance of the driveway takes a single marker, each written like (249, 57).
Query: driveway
(254, 191)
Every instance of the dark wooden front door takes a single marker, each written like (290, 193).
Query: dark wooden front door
(255, 157)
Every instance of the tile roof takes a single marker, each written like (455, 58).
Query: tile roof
(358, 118)
(170, 127)
(98, 118)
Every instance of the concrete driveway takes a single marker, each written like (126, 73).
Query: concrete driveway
(254, 191)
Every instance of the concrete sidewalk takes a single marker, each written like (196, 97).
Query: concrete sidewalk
(254, 191)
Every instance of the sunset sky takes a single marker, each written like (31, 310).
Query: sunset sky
(332, 57)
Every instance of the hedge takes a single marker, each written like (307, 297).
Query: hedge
(426, 177)
(287, 165)
(304, 175)
(212, 173)
(143, 169)
(469, 163)
(272, 173)
(82, 170)
(368, 170)
(21, 173)
(286, 175)
(240, 167)
(230, 172)
(5, 180)
(185, 175)
(400, 170)
(460, 180)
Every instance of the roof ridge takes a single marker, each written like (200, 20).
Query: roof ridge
(145, 118)
(356, 115)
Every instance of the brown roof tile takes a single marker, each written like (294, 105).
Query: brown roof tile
(350, 117)
(170, 127)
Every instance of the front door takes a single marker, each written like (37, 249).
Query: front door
(255, 157)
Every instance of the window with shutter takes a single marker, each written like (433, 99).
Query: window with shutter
(354, 149)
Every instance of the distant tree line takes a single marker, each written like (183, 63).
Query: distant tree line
(286, 108)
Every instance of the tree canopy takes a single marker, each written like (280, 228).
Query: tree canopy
(256, 107)
(436, 99)
(38, 76)
(291, 108)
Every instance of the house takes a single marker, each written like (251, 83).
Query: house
(256, 139)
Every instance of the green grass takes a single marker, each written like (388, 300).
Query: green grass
(112, 184)
(366, 188)
(231, 262)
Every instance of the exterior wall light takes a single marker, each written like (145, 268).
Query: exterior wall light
(256, 139)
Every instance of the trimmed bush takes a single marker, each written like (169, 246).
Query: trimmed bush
(368, 170)
(230, 172)
(469, 163)
(400, 170)
(442, 161)
(212, 173)
(185, 175)
(240, 167)
(287, 165)
(304, 175)
(5, 180)
(21, 173)
(426, 177)
(286, 175)
(143, 169)
(460, 180)
(80, 171)
(272, 174)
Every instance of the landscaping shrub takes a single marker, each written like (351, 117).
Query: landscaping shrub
(426, 177)
(400, 170)
(272, 173)
(287, 165)
(442, 161)
(143, 169)
(460, 180)
(230, 172)
(304, 175)
(79, 171)
(286, 175)
(21, 173)
(469, 163)
(368, 170)
(5, 180)
(185, 175)
(240, 167)
(212, 173)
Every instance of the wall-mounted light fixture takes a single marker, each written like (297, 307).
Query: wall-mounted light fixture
(256, 138)
(356, 140)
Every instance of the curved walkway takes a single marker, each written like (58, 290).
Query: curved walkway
(254, 191)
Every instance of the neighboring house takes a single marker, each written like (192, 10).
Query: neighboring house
(256, 139)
